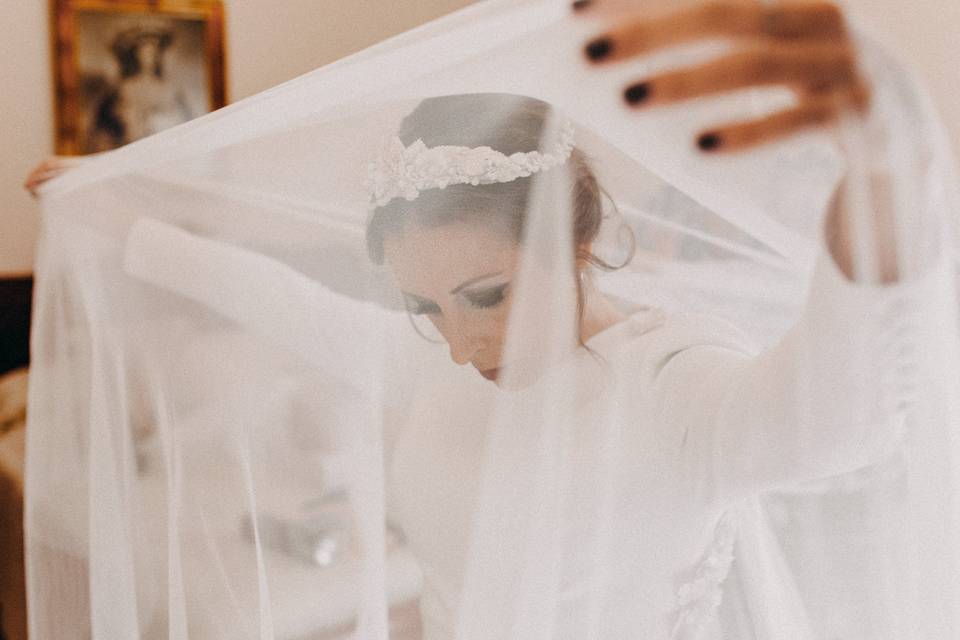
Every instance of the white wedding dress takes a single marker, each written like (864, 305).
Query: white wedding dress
(706, 417)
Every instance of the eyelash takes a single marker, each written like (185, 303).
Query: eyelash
(482, 300)
(488, 298)
(421, 309)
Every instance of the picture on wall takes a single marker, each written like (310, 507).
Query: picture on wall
(126, 70)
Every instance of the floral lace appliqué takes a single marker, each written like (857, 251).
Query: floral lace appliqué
(699, 599)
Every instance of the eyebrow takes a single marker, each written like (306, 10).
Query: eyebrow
(471, 281)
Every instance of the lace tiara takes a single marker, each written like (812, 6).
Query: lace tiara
(407, 171)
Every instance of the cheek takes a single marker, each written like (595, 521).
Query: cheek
(496, 326)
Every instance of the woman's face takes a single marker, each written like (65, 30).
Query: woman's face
(459, 276)
(148, 52)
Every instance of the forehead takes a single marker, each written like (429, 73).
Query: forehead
(430, 261)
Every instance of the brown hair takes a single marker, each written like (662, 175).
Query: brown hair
(505, 122)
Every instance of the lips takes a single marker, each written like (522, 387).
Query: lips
(490, 374)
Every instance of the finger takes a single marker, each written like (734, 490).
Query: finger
(817, 111)
(644, 34)
(44, 176)
(620, 8)
(69, 162)
(856, 97)
(31, 186)
(816, 68)
(819, 21)
(39, 177)
(59, 163)
(34, 179)
(52, 163)
(49, 164)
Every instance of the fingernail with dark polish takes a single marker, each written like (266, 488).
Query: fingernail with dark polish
(637, 93)
(599, 49)
(579, 5)
(709, 141)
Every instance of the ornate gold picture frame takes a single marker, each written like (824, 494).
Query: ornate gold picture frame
(125, 69)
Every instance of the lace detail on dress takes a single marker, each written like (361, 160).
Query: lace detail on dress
(699, 599)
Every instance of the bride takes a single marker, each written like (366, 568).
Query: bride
(639, 432)
(456, 254)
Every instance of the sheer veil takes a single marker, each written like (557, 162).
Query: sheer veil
(315, 365)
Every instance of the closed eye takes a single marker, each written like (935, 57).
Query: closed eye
(420, 306)
(487, 298)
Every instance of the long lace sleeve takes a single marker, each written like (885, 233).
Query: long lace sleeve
(830, 397)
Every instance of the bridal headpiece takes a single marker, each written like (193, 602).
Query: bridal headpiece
(406, 171)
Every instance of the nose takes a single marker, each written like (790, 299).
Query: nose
(463, 346)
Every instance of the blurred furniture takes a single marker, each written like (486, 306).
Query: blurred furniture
(13, 399)
(15, 300)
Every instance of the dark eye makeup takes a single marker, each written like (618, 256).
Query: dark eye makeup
(420, 306)
(480, 298)
(487, 298)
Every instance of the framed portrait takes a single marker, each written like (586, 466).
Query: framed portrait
(126, 69)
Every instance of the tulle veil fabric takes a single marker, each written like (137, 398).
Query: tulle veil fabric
(234, 430)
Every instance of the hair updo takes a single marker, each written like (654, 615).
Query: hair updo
(506, 123)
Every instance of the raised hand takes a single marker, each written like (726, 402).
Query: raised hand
(801, 44)
(49, 169)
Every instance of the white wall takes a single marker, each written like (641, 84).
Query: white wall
(925, 33)
(275, 40)
(270, 41)
(26, 124)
